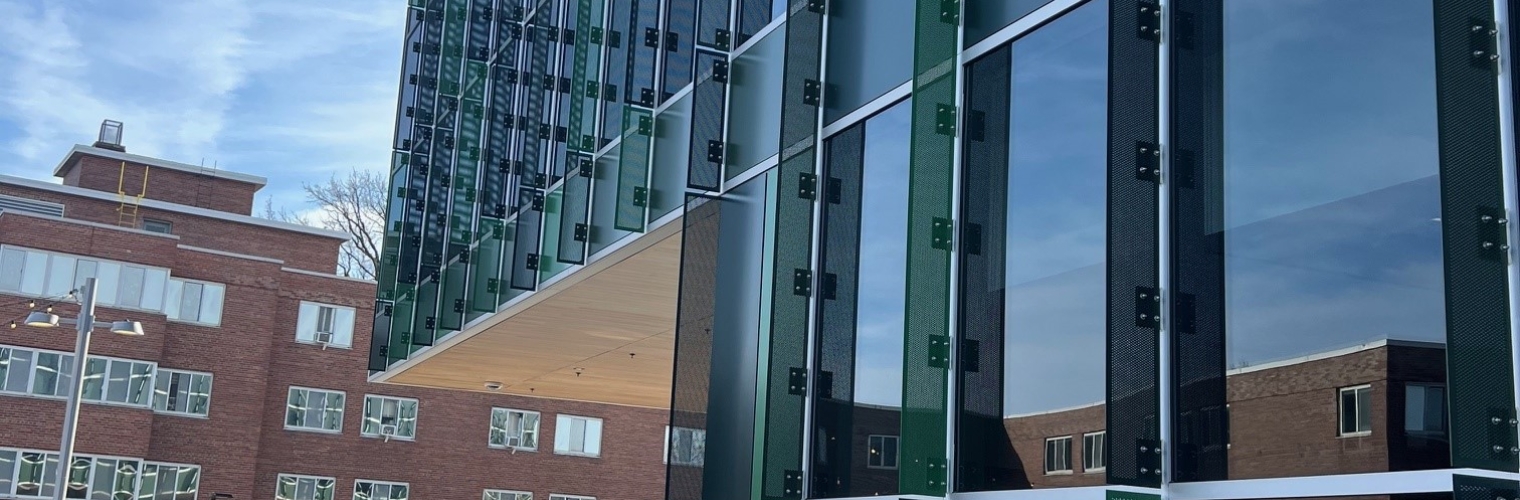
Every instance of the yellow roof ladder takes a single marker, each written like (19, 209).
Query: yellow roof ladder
(126, 212)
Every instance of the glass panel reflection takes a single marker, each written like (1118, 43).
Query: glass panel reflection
(1034, 278)
(860, 352)
(1315, 176)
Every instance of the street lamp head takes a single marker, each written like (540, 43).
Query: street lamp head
(131, 328)
(41, 319)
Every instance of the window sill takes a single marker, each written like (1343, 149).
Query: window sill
(196, 416)
(408, 439)
(81, 400)
(332, 432)
(193, 323)
(314, 343)
(576, 454)
(514, 449)
(1097, 470)
(1058, 473)
(1355, 434)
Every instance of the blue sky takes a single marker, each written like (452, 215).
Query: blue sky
(292, 90)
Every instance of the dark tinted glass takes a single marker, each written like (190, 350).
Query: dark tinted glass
(867, 43)
(1034, 279)
(985, 17)
(1312, 169)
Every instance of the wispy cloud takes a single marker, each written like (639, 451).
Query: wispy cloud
(291, 90)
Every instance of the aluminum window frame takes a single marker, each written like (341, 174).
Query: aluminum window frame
(342, 411)
(538, 426)
(398, 399)
(298, 477)
(377, 482)
(1340, 410)
(1066, 456)
(210, 384)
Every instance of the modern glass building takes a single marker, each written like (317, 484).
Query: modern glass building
(1193, 249)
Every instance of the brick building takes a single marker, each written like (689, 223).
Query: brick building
(251, 380)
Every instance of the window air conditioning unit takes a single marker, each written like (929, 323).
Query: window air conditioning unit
(324, 338)
(387, 431)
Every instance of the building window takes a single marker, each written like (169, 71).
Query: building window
(327, 325)
(47, 274)
(555, 496)
(168, 482)
(685, 446)
(195, 301)
(1356, 411)
(881, 452)
(515, 429)
(33, 474)
(1425, 410)
(385, 416)
(119, 381)
(1058, 455)
(380, 490)
(294, 487)
(578, 436)
(314, 410)
(182, 392)
(507, 495)
(1094, 451)
(158, 226)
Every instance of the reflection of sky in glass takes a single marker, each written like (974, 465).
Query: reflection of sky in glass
(1054, 333)
(1331, 194)
(883, 258)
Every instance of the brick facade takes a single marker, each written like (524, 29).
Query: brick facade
(172, 184)
(254, 358)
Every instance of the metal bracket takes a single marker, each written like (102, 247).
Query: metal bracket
(942, 233)
(1147, 307)
(807, 185)
(721, 38)
(459, 305)
(720, 71)
(1492, 234)
(802, 282)
(936, 474)
(531, 262)
(672, 41)
(493, 285)
(791, 484)
(1501, 433)
(538, 201)
(828, 284)
(950, 11)
(581, 231)
(430, 324)
(818, 6)
(939, 351)
(715, 151)
(970, 356)
(652, 38)
(812, 91)
(646, 124)
(1148, 457)
(640, 196)
(596, 35)
(1149, 21)
(1185, 313)
(944, 119)
(1147, 161)
(796, 381)
(1483, 43)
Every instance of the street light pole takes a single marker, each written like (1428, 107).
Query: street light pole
(86, 324)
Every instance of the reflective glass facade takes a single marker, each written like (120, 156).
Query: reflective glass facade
(1201, 249)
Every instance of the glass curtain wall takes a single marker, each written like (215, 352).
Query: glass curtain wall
(1031, 387)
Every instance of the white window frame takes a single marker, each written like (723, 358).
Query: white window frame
(896, 447)
(142, 465)
(107, 295)
(170, 372)
(307, 333)
(382, 399)
(506, 495)
(376, 482)
(1045, 456)
(174, 294)
(562, 496)
(199, 474)
(538, 426)
(1101, 458)
(1340, 411)
(298, 477)
(342, 413)
(564, 423)
(105, 383)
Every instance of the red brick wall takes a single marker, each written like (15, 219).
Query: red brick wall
(1028, 436)
(254, 359)
(174, 186)
(298, 250)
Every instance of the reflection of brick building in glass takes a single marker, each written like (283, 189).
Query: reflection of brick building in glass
(1374, 407)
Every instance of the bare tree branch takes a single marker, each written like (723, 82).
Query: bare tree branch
(352, 203)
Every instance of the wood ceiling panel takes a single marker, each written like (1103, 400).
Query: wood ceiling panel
(575, 341)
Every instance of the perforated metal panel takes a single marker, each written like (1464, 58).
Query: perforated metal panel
(1479, 374)
(980, 437)
(645, 41)
(712, 24)
(930, 241)
(680, 34)
(1482, 488)
(690, 382)
(708, 148)
(753, 16)
(425, 312)
(633, 169)
(575, 222)
(1198, 336)
(618, 41)
(380, 337)
(485, 282)
(525, 258)
(1133, 348)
